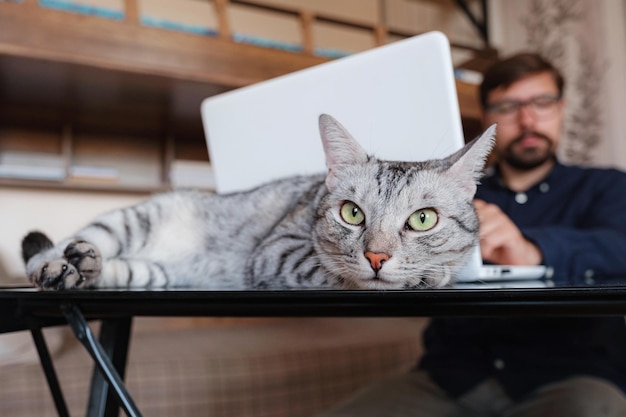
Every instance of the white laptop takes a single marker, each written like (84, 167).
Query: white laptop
(386, 97)
(475, 274)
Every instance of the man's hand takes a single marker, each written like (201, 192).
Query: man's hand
(501, 242)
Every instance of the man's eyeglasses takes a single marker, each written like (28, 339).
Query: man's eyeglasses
(541, 107)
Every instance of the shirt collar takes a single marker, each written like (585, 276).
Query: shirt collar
(493, 177)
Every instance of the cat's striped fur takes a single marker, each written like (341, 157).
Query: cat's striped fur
(363, 225)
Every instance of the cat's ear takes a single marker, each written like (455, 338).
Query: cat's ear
(339, 146)
(468, 163)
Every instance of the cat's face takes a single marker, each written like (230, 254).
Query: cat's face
(393, 225)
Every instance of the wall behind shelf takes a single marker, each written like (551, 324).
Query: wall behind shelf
(57, 213)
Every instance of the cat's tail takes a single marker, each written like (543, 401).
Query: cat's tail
(34, 243)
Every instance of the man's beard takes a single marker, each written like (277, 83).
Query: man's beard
(529, 158)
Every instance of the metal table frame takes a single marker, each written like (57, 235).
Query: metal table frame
(28, 309)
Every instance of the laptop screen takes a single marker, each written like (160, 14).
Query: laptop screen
(399, 101)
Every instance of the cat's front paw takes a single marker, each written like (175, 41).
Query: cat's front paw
(86, 258)
(47, 269)
(56, 275)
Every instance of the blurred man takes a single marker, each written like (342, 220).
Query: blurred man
(532, 210)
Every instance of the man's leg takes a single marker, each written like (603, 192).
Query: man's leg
(574, 397)
(408, 395)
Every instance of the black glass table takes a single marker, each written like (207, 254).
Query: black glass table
(29, 309)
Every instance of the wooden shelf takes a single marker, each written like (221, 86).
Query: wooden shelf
(470, 109)
(92, 187)
(117, 79)
(34, 32)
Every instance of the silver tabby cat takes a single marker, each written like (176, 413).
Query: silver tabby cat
(366, 224)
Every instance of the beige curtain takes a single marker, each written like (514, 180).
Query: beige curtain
(587, 40)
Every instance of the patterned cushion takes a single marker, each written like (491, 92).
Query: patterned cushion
(278, 367)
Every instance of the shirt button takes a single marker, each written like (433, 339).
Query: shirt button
(544, 187)
(498, 364)
(521, 198)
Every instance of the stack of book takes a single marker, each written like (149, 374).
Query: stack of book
(192, 174)
(91, 174)
(32, 166)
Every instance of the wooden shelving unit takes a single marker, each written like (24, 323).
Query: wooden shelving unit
(126, 93)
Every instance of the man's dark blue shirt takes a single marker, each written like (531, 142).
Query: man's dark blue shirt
(577, 217)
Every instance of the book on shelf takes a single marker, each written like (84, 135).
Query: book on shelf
(32, 166)
(468, 76)
(192, 174)
(90, 173)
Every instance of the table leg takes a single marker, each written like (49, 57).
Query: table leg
(82, 331)
(48, 368)
(114, 338)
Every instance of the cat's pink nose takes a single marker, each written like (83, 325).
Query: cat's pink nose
(376, 259)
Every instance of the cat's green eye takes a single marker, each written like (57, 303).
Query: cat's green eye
(422, 220)
(351, 213)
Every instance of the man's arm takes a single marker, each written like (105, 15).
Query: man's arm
(501, 242)
(582, 256)
(583, 238)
